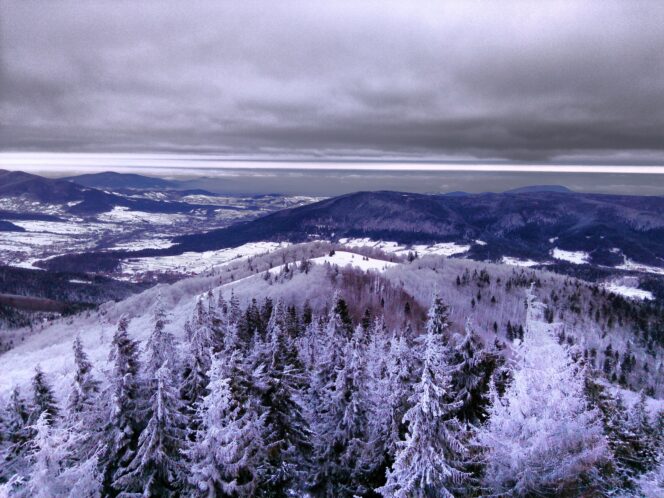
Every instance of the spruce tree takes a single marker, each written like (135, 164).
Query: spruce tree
(84, 388)
(473, 368)
(228, 452)
(156, 468)
(389, 393)
(43, 399)
(16, 436)
(126, 408)
(430, 460)
(287, 435)
(160, 347)
(646, 451)
(197, 362)
(54, 471)
(541, 437)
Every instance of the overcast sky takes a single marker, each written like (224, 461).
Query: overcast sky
(523, 82)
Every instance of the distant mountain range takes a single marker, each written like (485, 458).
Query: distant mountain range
(82, 200)
(608, 230)
(522, 224)
(113, 180)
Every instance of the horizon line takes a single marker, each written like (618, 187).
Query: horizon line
(133, 161)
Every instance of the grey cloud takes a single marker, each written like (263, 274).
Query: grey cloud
(490, 81)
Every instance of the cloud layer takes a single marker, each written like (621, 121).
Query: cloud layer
(536, 82)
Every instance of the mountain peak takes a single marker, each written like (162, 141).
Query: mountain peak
(540, 188)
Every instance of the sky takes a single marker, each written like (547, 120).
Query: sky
(523, 83)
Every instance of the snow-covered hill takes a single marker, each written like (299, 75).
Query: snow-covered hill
(490, 294)
(358, 318)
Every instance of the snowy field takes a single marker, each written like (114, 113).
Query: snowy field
(441, 249)
(137, 245)
(632, 266)
(574, 257)
(344, 258)
(629, 292)
(193, 263)
(120, 214)
(71, 227)
(526, 263)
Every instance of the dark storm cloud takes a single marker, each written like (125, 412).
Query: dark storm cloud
(457, 81)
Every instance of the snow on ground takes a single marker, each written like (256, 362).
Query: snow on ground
(480, 242)
(11, 240)
(633, 266)
(574, 257)
(509, 260)
(344, 258)
(441, 249)
(59, 227)
(137, 245)
(628, 292)
(375, 244)
(192, 263)
(51, 347)
(121, 214)
(631, 397)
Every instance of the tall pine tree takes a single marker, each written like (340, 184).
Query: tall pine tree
(430, 460)
(228, 452)
(126, 416)
(541, 437)
(43, 399)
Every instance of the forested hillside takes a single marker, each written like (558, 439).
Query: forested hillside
(313, 371)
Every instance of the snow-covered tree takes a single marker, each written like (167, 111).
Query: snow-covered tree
(429, 462)
(54, 472)
(472, 369)
(541, 437)
(343, 433)
(160, 347)
(287, 435)
(126, 408)
(85, 387)
(390, 387)
(156, 468)
(198, 359)
(646, 449)
(228, 452)
(15, 436)
(43, 399)
(84, 413)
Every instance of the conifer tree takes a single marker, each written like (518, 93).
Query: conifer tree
(126, 406)
(16, 436)
(287, 434)
(541, 437)
(389, 394)
(84, 388)
(198, 361)
(43, 399)
(429, 461)
(646, 449)
(156, 468)
(54, 472)
(84, 413)
(228, 452)
(343, 435)
(160, 347)
(472, 369)
(623, 442)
